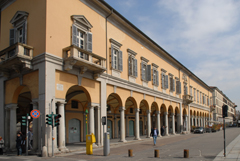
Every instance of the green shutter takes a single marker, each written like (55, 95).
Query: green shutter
(148, 72)
(120, 65)
(135, 68)
(74, 35)
(12, 37)
(89, 41)
(166, 81)
(157, 77)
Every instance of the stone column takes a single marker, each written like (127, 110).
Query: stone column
(178, 123)
(166, 123)
(189, 126)
(7, 128)
(98, 127)
(137, 124)
(35, 128)
(199, 123)
(158, 123)
(61, 128)
(91, 120)
(192, 120)
(186, 120)
(13, 124)
(122, 124)
(148, 123)
(195, 121)
(181, 119)
(173, 124)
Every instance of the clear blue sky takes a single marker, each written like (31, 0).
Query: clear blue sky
(203, 35)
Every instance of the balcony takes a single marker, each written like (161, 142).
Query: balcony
(80, 58)
(187, 99)
(16, 58)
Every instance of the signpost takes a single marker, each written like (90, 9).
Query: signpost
(224, 114)
(86, 112)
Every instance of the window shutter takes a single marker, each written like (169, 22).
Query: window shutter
(148, 72)
(89, 42)
(179, 87)
(186, 90)
(142, 74)
(12, 37)
(166, 81)
(120, 65)
(74, 35)
(173, 84)
(24, 33)
(112, 56)
(162, 77)
(129, 66)
(135, 68)
(157, 77)
(154, 77)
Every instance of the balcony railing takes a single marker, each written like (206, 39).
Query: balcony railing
(78, 57)
(187, 99)
(16, 57)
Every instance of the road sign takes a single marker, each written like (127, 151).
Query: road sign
(35, 114)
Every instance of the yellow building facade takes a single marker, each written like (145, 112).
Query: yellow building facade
(86, 62)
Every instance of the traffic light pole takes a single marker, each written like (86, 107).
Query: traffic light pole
(52, 130)
(224, 137)
(26, 141)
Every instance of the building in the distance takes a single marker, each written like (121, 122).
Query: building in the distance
(219, 99)
(84, 60)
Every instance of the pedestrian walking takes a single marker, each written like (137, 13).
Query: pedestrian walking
(30, 138)
(154, 134)
(19, 144)
(1, 145)
(162, 130)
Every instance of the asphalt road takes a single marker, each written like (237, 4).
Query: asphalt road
(201, 147)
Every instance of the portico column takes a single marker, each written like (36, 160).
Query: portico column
(7, 128)
(158, 123)
(91, 119)
(13, 122)
(35, 128)
(166, 123)
(192, 120)
(122, 120)
(178, 123)
(173, 124)
(61, 128)
(199, 124)
(181, 118)
(137, 124)
(195, 121)
(148, 123)
(186, 120)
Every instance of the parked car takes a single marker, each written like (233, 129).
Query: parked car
(209, 130)
(199, 130)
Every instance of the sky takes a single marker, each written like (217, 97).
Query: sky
(202, 35)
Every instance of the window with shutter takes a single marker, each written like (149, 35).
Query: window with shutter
(120, 65)
(19, 33)
(148, 72)
(130, 66)
(173, 84)
(157, 78)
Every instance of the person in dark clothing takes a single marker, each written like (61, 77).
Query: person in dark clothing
(19, 144)
(154, 134)
(162, 130)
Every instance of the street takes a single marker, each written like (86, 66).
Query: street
(201, 147)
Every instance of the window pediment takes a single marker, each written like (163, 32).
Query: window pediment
(82, 21)
(19, 15)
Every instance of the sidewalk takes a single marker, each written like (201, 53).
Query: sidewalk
(232, 151)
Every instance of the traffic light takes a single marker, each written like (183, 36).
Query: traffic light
(56, 119)
(49, 119)
(224, 111)
(24, 120)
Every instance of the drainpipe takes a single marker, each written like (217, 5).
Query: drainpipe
(106, 40)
